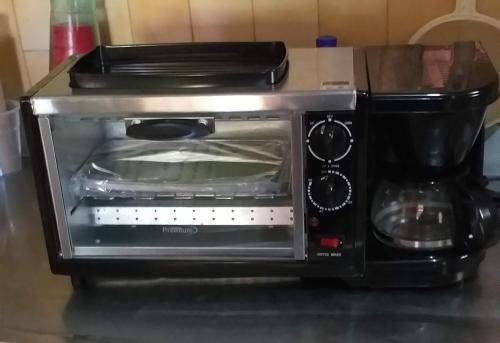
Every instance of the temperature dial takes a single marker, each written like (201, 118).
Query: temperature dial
(329, 140)
(329, 192)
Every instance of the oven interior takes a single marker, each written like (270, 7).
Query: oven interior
(199, 186)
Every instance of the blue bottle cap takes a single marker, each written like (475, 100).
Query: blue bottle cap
(326, 41)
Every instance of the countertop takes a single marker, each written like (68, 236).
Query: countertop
(36, 306)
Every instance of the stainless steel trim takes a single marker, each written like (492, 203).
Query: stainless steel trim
(298, 193)
(55, 187)
(183, 252)
(317, 80)
(417, 245)
(53, 73)
(151, 215)
(147, 105)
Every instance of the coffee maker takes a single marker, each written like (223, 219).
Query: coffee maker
(430, 217)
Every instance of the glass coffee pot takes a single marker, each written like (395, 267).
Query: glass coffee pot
(414, 215)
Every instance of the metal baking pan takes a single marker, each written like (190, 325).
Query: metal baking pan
(185, 65)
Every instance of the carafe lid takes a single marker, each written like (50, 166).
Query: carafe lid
(431, 78)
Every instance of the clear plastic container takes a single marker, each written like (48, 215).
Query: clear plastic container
(10, 139)
(74, 29)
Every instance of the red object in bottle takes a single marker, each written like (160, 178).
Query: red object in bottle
(68, 40)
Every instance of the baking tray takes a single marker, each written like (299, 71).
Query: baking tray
(185, 65)
(185, 169)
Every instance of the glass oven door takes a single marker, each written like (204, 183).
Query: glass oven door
(202, 187)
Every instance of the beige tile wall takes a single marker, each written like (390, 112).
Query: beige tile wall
(361, 22)
(24, 25)
(292, 21)
(13, 71)
(155, 21)
(222, 20)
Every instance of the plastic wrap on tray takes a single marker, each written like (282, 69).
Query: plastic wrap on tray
(150, 169)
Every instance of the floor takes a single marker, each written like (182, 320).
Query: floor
(36, 306)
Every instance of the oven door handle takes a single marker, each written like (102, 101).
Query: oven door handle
(169, 129)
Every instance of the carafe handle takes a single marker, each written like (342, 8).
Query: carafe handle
(480, 218)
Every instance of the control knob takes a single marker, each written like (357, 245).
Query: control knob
(329, 140)
(329, 192)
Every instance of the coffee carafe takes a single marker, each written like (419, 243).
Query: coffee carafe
(427, 115)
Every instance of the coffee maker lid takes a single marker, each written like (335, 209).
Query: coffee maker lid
(450, 76)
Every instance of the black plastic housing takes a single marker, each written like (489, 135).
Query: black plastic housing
(419, 133)
(428, 105)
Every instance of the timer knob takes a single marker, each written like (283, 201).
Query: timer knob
(329, 140)
(330, 192)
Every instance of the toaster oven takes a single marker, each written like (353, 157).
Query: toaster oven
(219, 172)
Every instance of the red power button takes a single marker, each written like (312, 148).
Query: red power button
(330, 242)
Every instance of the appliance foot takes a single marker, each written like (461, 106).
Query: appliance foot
(81, 282)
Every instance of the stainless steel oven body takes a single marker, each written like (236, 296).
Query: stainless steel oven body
(205, 182)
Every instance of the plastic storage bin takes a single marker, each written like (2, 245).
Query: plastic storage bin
(10, 139)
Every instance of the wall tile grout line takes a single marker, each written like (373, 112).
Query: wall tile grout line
(387, 21)
(191, 20)
(318, 15)
(130, 21)
(25, 76)
(253, 21)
